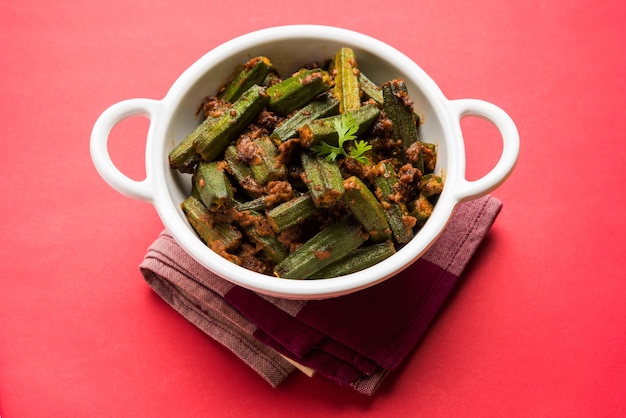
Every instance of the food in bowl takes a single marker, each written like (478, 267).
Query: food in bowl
(314, 174)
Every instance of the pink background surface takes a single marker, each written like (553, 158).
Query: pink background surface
(537, 326)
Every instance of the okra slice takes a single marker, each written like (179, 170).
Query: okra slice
(325, 106)
(297, 90)
(256, 228)
(237, 168)
(323, 179)
(271, 79)
(327, 246)
(431, 185)
(366, 209)
(194, 190)
(217, 235)
(346, 72)
(361, 258)
(256, 204)
(370, 90)
(396, 212)
(427, 154)
(324, 129)
(242, 173)
(183, 156)
(216, 191)
(216, 133)
(291, 213)
(399, 108)
(253, 72)
(422, 208)
(266, 166)
(272, 248)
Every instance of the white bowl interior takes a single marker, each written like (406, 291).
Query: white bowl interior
(289, 48)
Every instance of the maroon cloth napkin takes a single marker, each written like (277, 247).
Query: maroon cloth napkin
(354, 340)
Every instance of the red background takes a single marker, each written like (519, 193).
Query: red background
(537, 327)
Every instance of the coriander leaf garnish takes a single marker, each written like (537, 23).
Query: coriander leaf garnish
(360, 148)
(346, 127)
(331, 152)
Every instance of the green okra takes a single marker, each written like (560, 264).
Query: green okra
(325, 106)
(214, 188)
(266, 165)
(255, 204)
(399, 109)
(361, 258)
(237, 168)
(363, 204)
(323, 179)
(297, 90)
(428, 153)
(184, 156)
(324, 129)
(214, 234)
(431, 185)
(421, 209)
(215, 133)
(256, 228)
(370, 90)
(291, 213)
(271, 247)
(327, 246)
(194, 190)
(271, 79)
(242, 173)
(253, 72)
(395, 211)
(346, 87)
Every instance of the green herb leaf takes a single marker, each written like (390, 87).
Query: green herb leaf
(360, 148)
(330, 152)
(346, 127)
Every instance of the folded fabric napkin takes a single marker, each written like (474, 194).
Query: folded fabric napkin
(354, 340)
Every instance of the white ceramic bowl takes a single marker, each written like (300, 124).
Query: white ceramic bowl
(288, 47)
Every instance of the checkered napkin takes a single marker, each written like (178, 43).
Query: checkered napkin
(354, 340)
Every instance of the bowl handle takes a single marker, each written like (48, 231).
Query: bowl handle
(510, 150)
(140, 190)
